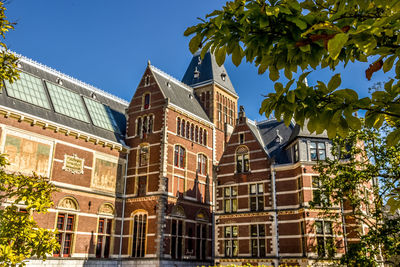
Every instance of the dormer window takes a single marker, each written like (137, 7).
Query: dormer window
(296, 152)
(147, 80)
(223, 76)
(146, 101)
(196, 73)
(242, 159)
(317, 150)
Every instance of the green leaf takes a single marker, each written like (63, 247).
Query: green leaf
(190, 31)
(393, 138)
(220, 55)
(334, 82)
(299, 23)
(279, 88)
(288, 73)
(291, 97)
(194, 43)
(237, 55)
(273, 73)
(305, 48)
(336, 44)
(388, 64)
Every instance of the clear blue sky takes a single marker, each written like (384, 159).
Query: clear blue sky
(108, 43)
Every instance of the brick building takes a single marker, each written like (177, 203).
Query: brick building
(173, 177)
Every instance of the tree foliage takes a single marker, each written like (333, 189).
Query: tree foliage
(288, 35)
(20, 236)
(364, 177)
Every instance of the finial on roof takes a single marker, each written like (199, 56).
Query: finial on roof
(242, 114)
(148, 62)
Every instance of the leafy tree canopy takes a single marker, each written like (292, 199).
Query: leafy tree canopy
(20, 236)
(364, 177)
(289, 35)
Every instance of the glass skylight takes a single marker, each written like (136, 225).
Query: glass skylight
(67, 102)
(101, 115)
(29, 89)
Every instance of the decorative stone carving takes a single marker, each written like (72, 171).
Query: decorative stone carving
(105, 175)
(201, 216)
(106, 209)
(68, 203)
(73, 164)
(178, 211)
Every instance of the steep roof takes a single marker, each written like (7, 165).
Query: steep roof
(70, 97)
(178, 93)
(304, 132)
(208, 72)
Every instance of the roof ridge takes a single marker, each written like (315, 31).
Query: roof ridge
(168, 76)
(71, 79)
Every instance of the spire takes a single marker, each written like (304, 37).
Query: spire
(206, 71)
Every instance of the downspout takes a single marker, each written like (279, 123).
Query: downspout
(274, 207)
(344, 227)
(214, 183)
(123, 207)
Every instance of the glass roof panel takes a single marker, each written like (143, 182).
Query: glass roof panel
(29, 89)
(67, 102)
(101, 115)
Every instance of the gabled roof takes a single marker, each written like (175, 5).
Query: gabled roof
(304, 132)
(208, 72)
(178, 93)
(114, 106)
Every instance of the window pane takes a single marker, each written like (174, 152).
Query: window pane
(234, 231)
(322, 155)
(60, 222)
(262, 247)
(328, 227)
(253, 230)
(235, 248)
(253, 203)
(227, 231)
(228, 247)
(320, 246)
(234, 205)
(29, 89)
(253, 189)
(260, 203)
(315, 182)
(318, 227)
(313, 145)
(260, 188)
(321, 146)
(227, 205)
(227, 191)
(234, 191)
(101, 115)
(261, 230)
(254, 248)
(67, 102)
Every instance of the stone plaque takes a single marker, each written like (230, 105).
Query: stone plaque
(73, 164)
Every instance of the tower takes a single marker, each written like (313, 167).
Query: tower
(214, 90)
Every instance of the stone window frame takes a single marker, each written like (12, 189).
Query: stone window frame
(134, 241)
(202, 164)
(231, 242)
(257, 195)
(243, 161)
(317, 150)
(180, 156)
(191, 131)
(259, 237)
(316, 192)
(146, 101)
(230, 195)
(324, 238)
(105, 214)
(141, 154)
(141, 131)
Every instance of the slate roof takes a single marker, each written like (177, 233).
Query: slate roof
(209, 72)
(117, 106)
(304, 132)
(178, 93)
(269, 131)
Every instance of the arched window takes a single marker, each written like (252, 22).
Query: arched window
(178, 126)
(144, 155)
(145, 125)
(242, 159)
(205, 137)
(146, 101)
(192, 132)
(196, 134)
(187, 130)
(139, 235)
(66, 226)
(179, 159)
(183, 128)
(201, 136)
(150, 130)
(139, 126)
(202, 164)
(104, 231)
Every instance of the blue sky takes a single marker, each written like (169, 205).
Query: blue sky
(107, 44)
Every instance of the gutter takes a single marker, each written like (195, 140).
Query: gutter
(276, 232)
(123, 208)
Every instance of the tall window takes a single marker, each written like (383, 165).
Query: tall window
(241, 138)
(176, 238)
(139, 235)
(201, 136)
(144, 126)
(144, 155)
(242, 159)
(317, 151)
(202, 164)
(65, 227)
(256, 197)
(192, 132)
(205, 137)
(188, 130)
(103, 238)
(325, 239)
(183, 128)
(196, 134)
(179, 159)
(201, 247)
(178, 126)
(296, 152)
(257, 234)
(146, 101)
(300, 190)
(319, 198)
(230, 199)
(231, 242)
(139, 126)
